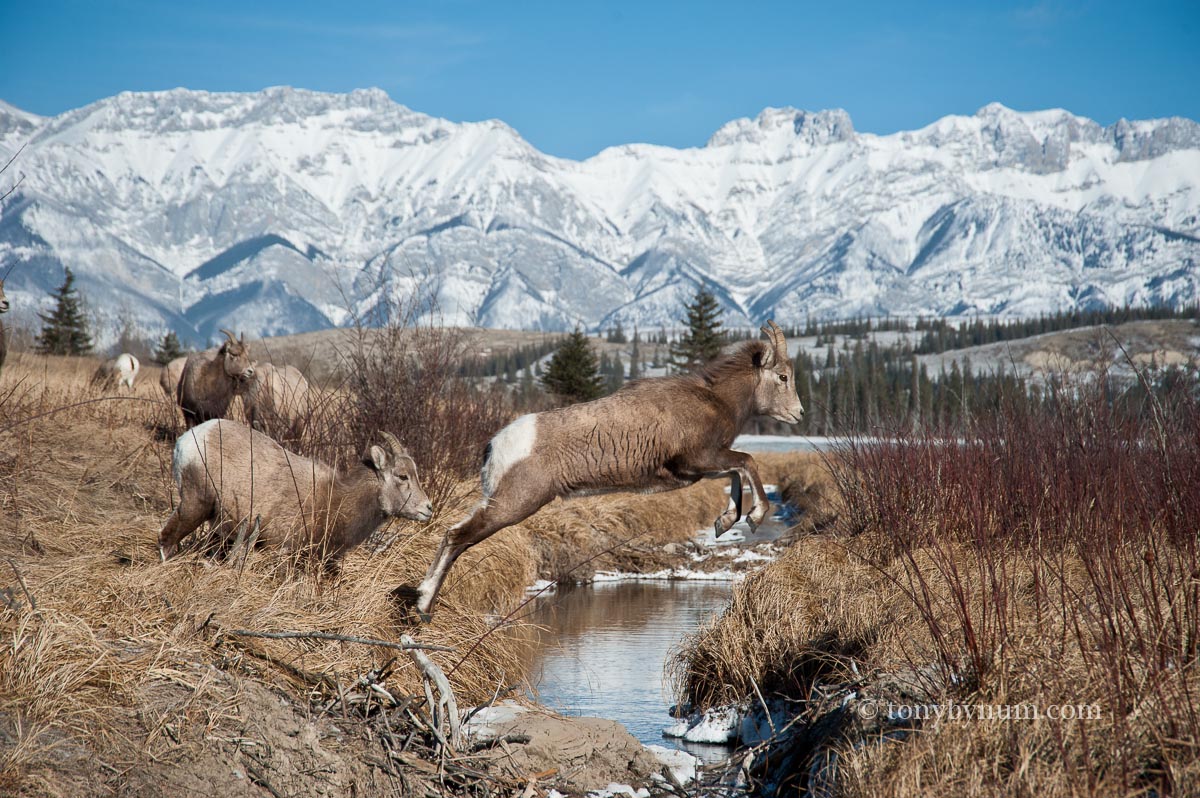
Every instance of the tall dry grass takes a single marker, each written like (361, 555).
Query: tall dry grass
(91, 621)
(1047, 557)
(88, 616)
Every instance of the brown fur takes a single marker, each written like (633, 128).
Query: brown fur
(229, 474)
(171, 375)
(652, 435)
(276, 398)
(211, 379)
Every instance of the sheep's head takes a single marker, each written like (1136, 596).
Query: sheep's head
(401, 493)
(3, 299)
(775, 393)
(236, 358)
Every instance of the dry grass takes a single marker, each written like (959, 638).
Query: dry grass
(1050, 559)
(84, 488)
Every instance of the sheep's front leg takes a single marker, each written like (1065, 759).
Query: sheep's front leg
(743, 466)
(734, 511)
(758, 512)
(741, 469)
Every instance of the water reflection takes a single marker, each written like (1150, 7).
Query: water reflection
(603, 647)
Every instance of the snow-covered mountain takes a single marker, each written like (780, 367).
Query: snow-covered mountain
(287, 210)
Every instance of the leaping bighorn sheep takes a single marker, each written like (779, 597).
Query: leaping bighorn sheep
(652, 435)
(3, 338)
(230, 474)
(211, 379)
(120, 372)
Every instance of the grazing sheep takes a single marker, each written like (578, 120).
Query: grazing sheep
(229, 474)
(276, 398)
(120, 372)
(652, 435)
(211, 379)
(3, 334)
(170, 376)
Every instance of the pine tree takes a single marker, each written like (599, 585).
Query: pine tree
(703, 339)
(168, 348)
(635, 366)
(573, 371)
(802, 374)
(65, 330)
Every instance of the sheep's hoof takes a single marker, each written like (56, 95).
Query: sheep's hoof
(409, 597)
(166, 553)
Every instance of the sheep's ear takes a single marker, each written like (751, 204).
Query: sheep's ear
(377, 458)
(764, 358)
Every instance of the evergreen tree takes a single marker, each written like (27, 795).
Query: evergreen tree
(615, 375)
(573, 372)
(802, 374)
(65, 330)
(703, 339)
(168, 349)
(635, 366)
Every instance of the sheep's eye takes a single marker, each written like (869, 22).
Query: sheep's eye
(404, 477)
(783, 378)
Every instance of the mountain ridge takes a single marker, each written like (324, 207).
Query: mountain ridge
(314, 207)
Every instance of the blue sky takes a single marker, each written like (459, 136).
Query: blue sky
(575, 77)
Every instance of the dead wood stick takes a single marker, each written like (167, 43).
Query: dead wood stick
(446, 705)
(366, 641)
(17, 572)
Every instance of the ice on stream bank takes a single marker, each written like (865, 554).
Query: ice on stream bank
(731, 724)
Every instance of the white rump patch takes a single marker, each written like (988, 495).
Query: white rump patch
(189, 448)
(510, 446)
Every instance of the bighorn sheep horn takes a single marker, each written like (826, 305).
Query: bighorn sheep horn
(778, 343)
(229, 335)
(393, 444)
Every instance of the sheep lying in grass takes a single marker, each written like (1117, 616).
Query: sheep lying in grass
(229, 474)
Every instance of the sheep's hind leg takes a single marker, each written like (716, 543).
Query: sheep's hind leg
(502, 510)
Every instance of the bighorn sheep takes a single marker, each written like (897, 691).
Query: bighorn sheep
(652, 435)
(230, 474)
(170, 376)
(120, 372)
(276, 397)
(211, 379)
(3, 335)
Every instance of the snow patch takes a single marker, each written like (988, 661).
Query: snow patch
(681, 764)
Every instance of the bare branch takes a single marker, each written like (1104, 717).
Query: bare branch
(366, 641)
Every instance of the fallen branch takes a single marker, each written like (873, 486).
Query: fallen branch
(409, 645)
(446, 707)
(516, 739)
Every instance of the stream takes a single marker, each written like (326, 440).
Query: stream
(605, 645)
